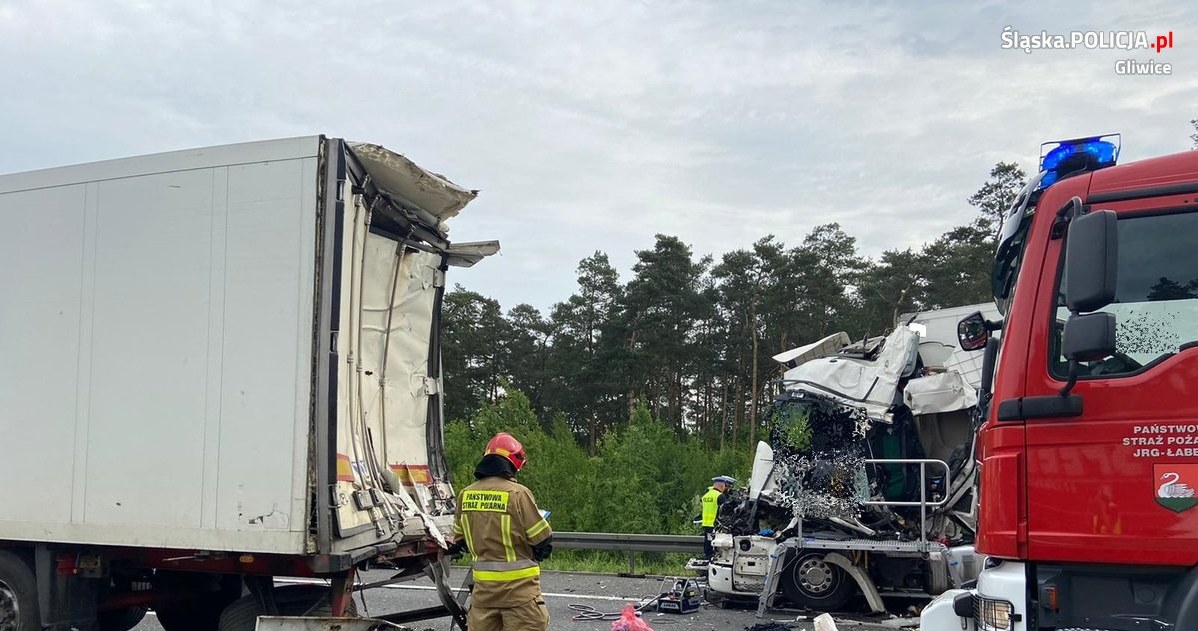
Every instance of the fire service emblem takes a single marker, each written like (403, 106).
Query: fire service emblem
(1176, 486)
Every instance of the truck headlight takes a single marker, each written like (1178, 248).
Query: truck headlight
(993, 615)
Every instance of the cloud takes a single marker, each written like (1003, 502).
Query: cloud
(592, 126)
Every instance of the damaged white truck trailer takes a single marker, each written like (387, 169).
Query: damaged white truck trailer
(866, 485)
(221, 366)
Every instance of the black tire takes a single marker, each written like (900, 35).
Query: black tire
(715, 598)
(18, 595)
(292, 600)
(813, 583)
(120, 619)
(212, 593)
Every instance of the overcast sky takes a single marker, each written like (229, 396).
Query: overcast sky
(594, 125)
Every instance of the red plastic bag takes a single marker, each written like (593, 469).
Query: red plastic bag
(629, 621)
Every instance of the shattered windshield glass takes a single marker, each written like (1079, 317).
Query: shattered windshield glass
(820, 446)
(1156, 294)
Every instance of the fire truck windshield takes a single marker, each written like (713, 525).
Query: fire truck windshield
(1156, 295)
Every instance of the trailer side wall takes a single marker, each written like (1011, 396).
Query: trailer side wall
(156, 328)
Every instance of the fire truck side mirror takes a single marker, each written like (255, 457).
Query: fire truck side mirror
(1089, 337)
(1091, 257)
(972, 332)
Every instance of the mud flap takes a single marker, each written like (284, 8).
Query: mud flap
(862, 579)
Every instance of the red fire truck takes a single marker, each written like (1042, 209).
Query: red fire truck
(1089, 452)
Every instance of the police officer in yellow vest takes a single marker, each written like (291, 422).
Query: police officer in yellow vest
(711, 502)
(498, 524)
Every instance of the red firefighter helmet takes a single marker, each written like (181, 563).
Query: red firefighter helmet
(506, 445)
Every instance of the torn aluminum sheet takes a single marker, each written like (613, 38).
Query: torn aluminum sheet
(411, 185)
(870, 384)
(939, 392)
(803, 354)
(469, 253)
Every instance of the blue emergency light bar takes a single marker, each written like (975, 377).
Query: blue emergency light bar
(1077, 155)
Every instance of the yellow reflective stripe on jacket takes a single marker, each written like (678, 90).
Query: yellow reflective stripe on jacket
(506, 576)
(505, 530)
(536, 529)
(469, 537)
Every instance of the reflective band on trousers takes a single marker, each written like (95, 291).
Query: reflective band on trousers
(503, 571)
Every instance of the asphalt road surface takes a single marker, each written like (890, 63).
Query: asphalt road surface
(566, 592)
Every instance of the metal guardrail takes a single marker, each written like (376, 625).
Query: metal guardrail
(630, 543)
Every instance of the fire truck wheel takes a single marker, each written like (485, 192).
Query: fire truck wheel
(18, 595)
(816, 584)
(292, 600)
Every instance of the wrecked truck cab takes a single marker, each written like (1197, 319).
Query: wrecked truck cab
(865, 374)
(895, 398)
(869, 469)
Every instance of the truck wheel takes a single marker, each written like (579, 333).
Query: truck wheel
(201, 612)
(292, 600)
(18, 595)
(814, 583)
(120, 619)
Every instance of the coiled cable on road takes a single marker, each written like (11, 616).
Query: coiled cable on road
(588, 613)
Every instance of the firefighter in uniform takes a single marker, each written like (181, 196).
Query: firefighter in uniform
(498, 524)
(711, 502)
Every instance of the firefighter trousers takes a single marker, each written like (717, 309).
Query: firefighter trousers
(531, 616)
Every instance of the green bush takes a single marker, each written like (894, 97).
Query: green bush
(645, 478)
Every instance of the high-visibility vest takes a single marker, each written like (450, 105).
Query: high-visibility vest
(711, 506)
